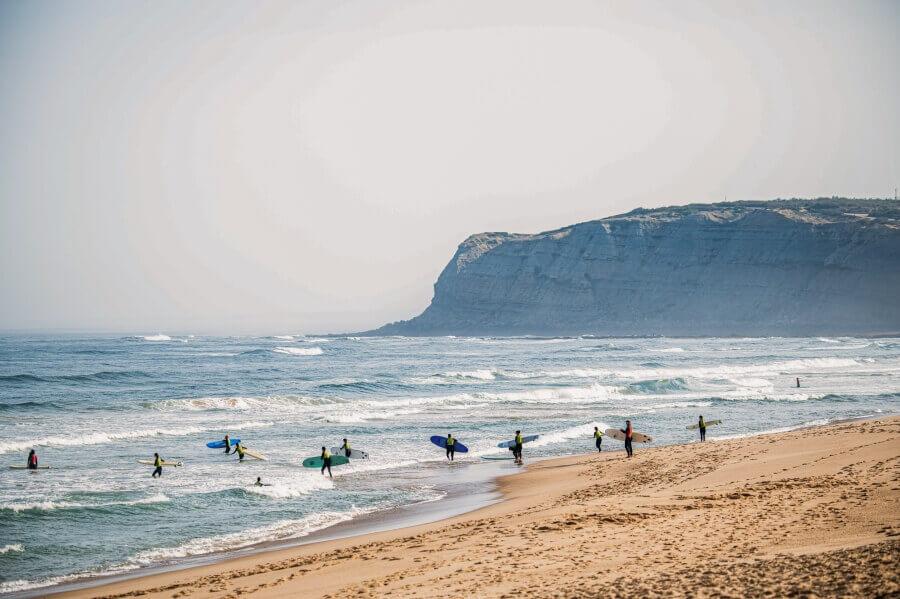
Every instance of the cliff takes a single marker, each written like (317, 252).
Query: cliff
(785, 267)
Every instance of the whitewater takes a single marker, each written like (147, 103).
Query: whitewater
(92, 406)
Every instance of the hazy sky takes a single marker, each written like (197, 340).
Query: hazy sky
(190, 167)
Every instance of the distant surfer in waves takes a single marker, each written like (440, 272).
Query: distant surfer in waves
(627, 430)
(326, 461)
(598, 438)
(517, 451)
(451, 447)
(32, 460)
(798, 382)
(157, 461)
(227, 442)
(346, 448)
(260, 483)
(702, 424)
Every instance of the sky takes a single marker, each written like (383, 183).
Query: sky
(311, 166)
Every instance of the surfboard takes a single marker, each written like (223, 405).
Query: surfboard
(221, 444)
(442, 442)
(512, 443)
(355, 454)
(694, 427)
(253, 454)
(316, 462)
(27, 468)
(151, 463)
(614, 433)
(496, 457)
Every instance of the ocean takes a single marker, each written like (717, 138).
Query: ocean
(92, 406)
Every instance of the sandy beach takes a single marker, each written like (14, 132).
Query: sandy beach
(812, 512)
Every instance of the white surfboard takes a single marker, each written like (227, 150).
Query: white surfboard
(152, 463)
(694, 427)
(614, 433)
(355, 454)
(27, 468)
(253, 454)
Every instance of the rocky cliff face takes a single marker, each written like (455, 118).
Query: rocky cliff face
(786, 267)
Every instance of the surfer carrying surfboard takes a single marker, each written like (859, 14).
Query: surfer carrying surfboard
(326, 461)
(628, 432)
(227, 443)
(451, 447)
(702, 424)
(158, 462)
(32, 463)
(517, 448)
(598, 436)
(239, 449)
(346, 448)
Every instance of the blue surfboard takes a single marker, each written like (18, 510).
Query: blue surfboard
(442, 442)
(221, 444)
(512, 443)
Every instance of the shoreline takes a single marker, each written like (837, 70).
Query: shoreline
(517, 488)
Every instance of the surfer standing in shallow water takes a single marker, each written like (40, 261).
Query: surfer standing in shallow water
(517, 452)
(157, 461)
(451, 447)
(326, 461)
(702, 424)
(32, 460)
(227, 442)
(346, 448)
(627, 430)
(598, 439)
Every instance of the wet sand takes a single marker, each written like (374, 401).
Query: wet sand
(813, 512)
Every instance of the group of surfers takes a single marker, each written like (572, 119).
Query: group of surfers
(516, 449)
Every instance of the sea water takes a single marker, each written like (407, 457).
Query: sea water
(93, 406)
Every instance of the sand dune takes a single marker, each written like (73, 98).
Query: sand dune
(814, 512)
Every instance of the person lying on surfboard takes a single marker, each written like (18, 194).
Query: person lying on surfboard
(260, 483)
(599, 438)
(32, 463)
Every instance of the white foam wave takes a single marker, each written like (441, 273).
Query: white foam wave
(669, 350)
(287, 337)
(296, 487)
(582, 430)
(727, 371)
(12, 548)
(299, 351)
(483, 374)
(103, 438)
(159, 337)
(283, 529)
(46, 506)
(827, 340)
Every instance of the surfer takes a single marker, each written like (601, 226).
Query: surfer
(227, 442)
(239, 449)
(702, 425)
(326, 461)
(451, 446)
(346, 448)
(627, 430)
(158, 462)
(32, 460)
(517, 452)
(798, 382)
(598, 436)
(260, 483)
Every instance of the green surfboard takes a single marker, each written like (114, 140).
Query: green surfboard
(317, 462)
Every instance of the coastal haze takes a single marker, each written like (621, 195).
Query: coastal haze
(209, 168)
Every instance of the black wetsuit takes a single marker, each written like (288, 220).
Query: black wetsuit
(517, 452)
(347, 449)
(158, 471)
(627, 442)
(599, 442)
(702, 430)
(326, 462)
(451, 449)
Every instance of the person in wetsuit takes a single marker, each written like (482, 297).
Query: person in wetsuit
(451, 447)
(239, 449)
(32, 463)
(627, 430)
(158, 462)
(346, 448)
(798, 382)
(598, 438)
(702, 424)
(326, 461)
(260, 483)
(517, 452)
(227, 442)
